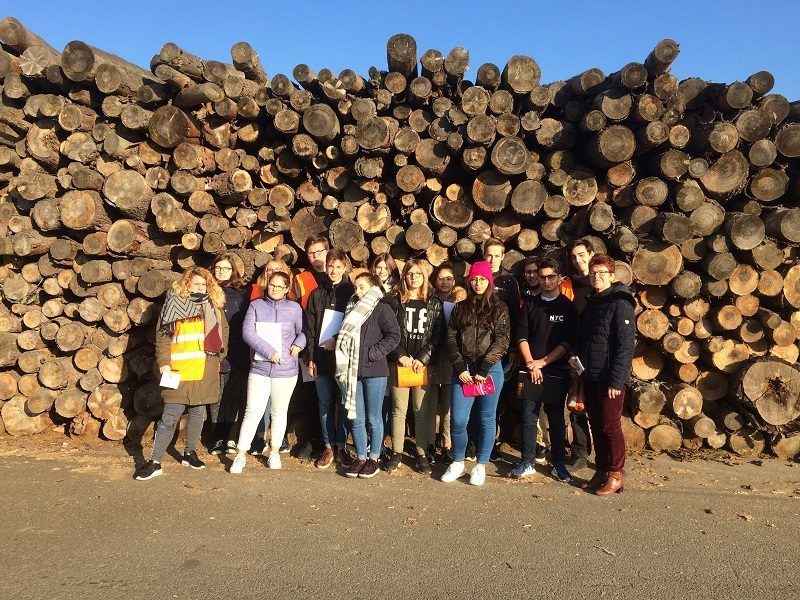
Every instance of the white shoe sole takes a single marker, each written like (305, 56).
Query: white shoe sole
(155, 474)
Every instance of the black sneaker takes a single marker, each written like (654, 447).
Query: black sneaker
(191, 459)
(496, 455)
(284, 449)
(356, 468)
(472, 453)
(257, 447)
(394, 462)
(148, 470)
(369, 470)
(447, 456)
(561, 474)
(541, 455)
(423, 466)
(303, 451)
(431, 454)
(217, 448)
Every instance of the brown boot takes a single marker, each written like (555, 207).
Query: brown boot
(613, 484)
(598, 479)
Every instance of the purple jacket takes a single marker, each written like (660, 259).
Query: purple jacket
(289, 314)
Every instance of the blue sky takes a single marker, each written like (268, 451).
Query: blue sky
(720, 41)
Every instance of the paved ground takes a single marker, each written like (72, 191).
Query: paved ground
(77, 526)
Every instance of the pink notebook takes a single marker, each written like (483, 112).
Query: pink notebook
(478, 389)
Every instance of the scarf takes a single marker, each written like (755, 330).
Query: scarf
(177, 308)
(348, 346)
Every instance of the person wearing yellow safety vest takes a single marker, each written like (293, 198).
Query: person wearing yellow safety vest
(191, 341)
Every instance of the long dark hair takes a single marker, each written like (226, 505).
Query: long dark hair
(394, 272)
(476, 309)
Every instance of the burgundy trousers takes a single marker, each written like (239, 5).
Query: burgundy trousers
(604, 419)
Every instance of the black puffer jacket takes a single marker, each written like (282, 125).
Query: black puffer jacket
(481, 345)
(326, 296)
(237, 301)
(608, 328)
(433, 336)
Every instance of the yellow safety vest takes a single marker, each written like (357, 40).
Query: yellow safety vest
(187, 354)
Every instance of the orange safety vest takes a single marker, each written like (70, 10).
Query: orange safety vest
(307, 283)
(566, 288)
(187, 353)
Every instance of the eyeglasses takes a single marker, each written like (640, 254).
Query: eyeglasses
(277, 288)
(549, 277)
(598, 273)
(479, 279)
(223, 269)
(413, 275)
(317, 253)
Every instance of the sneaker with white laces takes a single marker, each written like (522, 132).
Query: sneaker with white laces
(274, 460)
(523, 469)
(230, 447)
(453, 472)
(478, 475)
(238, 463)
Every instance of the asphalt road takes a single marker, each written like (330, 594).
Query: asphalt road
(75, 525)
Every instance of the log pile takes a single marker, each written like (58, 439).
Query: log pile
(115, 178)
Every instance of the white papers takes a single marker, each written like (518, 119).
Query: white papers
(448, 310)
(331, 324)
(306, 376)
(576, 364)
(170, 379)
(270, 333)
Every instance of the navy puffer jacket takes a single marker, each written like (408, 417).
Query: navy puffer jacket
(607, 339)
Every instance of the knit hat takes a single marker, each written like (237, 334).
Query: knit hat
(481, 269)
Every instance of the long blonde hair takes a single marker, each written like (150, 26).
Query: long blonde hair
(263, 279)
(425, 291)
(214, 291)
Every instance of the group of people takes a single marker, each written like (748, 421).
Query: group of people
(351, 351)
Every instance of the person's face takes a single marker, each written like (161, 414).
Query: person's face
(415, 278)
(363, 285)
(600, 277)
(223, 271)
(277, 288)
(549, 279)
(197, 285)
(382, 271)
(580, 257)
(316, 254)
(335, 270)
(494, 256)
(479, 285)
(273, 267)
(531, 275)
(445, 282)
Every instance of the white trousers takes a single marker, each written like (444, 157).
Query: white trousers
(262, 392)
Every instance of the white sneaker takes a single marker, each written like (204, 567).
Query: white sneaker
(238, 464)
(454, 471)
(478, 475)
(274, 460)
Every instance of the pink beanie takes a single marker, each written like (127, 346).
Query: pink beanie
(481, 269)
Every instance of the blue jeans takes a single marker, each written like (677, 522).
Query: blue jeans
(369, 411)
(485, 412)
(331, 412)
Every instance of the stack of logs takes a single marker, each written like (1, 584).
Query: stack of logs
(114, 179)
